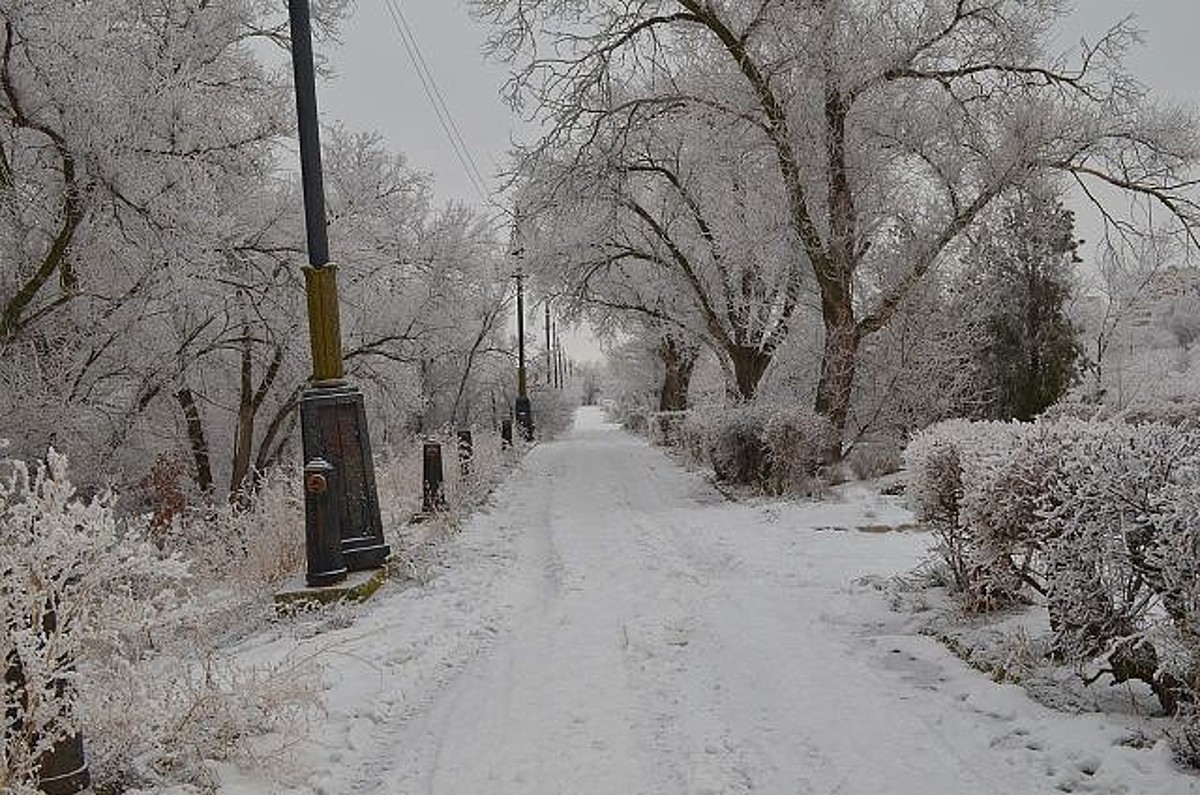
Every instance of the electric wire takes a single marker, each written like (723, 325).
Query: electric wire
(437, 100)
(441, 99)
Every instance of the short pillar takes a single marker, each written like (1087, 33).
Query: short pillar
(323, 541)
(433, 497)
(506, 432)
(466, 451)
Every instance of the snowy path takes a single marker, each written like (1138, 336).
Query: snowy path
(614, 626)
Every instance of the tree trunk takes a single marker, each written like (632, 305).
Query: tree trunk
(839, 361)
(275, 437)
(678, 362)
(749, 364)
(243, 438)
(197, 441)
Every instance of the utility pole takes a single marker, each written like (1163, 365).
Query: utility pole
(549, 349)
(343, 531)
(523, 408)
(557, 350)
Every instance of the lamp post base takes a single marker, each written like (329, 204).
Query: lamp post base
(333, 425)
(524, 413)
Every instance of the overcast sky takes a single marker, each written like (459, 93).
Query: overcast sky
(376, 87)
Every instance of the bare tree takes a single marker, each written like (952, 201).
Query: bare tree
(892, 124)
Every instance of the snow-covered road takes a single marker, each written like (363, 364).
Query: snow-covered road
(614, 626)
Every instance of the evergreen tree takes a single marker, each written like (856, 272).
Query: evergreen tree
(1020, 270)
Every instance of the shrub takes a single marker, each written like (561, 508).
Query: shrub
(947, 463)
(78, 587)
(776, 449)
(665, 428)
(796, 440)
(737, 450)
(1101, 517)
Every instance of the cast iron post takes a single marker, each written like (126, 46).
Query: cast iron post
(333, 421)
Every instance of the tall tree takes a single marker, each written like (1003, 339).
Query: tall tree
(1021, 272)
(684, 232)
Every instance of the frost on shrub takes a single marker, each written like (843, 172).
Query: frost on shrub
(796, 440)
(950, 465)
(78, 587)
(737, 450)
(1100, 517)
(114, 636)
(254, 543)
(775, 448)
(695, 431)
(665, 428)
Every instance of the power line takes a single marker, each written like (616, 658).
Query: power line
(437, 100)
(440, 97)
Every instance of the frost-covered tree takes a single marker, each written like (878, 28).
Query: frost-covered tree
(151, 305)
(685, 234)
(890, 125)
(135, 141)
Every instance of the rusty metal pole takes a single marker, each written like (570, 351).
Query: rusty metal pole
(333, 421)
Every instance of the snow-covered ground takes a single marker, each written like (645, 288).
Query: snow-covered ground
(610, 624)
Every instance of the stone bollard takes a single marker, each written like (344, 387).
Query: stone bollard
(433, 497)
(326, 564)
(466, 450)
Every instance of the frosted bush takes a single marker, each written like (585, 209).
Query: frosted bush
(950, 466)
(737, 451)
(776, 448)
(797, 440)
(665, 428)
(695, 433)
(635, 420)
(254, 543)
(116, 637)
(873, 456)
(1101, 517)
(79, 588)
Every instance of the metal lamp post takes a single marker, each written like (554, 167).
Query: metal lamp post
(343, 530)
